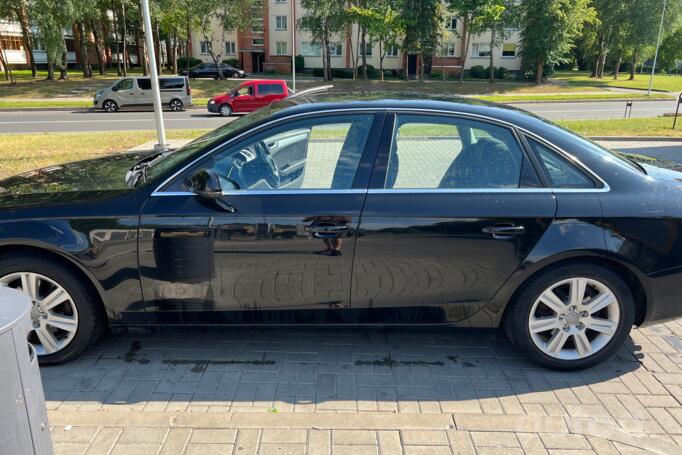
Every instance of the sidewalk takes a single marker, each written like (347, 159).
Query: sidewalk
(340, 391)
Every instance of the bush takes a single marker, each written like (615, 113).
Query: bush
(340, 73)
(233, 62)
(501, 73)
(477, 72)
(300, 63)
(182, 62)
(436, 75)
(372, 72)
(271, 71)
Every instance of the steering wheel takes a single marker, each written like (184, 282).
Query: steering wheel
(264, 157)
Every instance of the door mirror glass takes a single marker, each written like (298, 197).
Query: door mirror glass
(205, 183)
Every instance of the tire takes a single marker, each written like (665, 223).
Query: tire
(225, 110)
(110, 106)
(581, 338)
(176, 105)
(90, 318)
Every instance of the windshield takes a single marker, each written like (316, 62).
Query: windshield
(215, 137)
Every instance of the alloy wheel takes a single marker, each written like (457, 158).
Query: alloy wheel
(225, 110)
(176, 105)
(110, 106)
(53, 313)
(574, 318)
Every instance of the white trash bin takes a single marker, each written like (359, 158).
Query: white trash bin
(23, 418)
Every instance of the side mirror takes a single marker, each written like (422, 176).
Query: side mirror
(114, 88)
(205, 183)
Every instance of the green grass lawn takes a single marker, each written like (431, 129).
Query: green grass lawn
(659, 127)
(582, 79)
(573, 97)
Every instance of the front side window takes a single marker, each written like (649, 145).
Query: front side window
(319, 153)
(125, 84)
(558, 171)
(434, 152)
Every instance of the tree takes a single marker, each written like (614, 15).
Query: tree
(323, 18)
(671, 50)
(51, 18)
(549, 29)
(495, 16)
(421, 21)
(21, 11)
(471, 12)
(382, 22)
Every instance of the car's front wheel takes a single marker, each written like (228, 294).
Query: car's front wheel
(176, 105)
(65, 313)
(225, 110)
(571, 317)
(110, 106)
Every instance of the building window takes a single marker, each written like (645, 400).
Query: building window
(281, 47)
(310, 49)
(258, 42)
(280, 1)
(336, 49)
(281, 22)
(367, 51)
(450, 50)
(509, 50)
(205, 47)
(451, 23)
(480, 50)
(392, 51)
(230, 48)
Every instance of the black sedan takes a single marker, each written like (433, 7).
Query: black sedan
(329, 210)
(210, 70)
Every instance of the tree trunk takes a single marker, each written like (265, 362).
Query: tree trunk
(538, 76)
(50, 71)
(381, 62)
(189, 36)
(465, 47)
(363, 43)
(83, 46)
(157, 45)
(3, 62)
(98, 46)
(124, 41)
(492, 45)
(175, 52)
(420, 56)
(616, 70)
(169, 52)
(117, 37)
(64, 69)
(22, 14)
(633, 64)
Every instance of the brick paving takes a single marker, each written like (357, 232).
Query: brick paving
(309, 391)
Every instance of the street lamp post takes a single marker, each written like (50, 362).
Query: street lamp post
(293, 45)
(658, 44)
(154, 76)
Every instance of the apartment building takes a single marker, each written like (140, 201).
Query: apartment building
(267, 45)
(13, 45)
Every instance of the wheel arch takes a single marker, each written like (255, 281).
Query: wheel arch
(62, 258)
(626, 272)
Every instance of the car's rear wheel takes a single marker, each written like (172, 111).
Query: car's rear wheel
(176, 105)
(65, 313)
(109, 106)
(571, 317)
(225, 110)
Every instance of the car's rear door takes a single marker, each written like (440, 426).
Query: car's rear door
(454, 207)
(279, 245)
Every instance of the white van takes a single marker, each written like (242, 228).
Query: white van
(137, 91)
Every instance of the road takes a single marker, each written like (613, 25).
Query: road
(67, 121)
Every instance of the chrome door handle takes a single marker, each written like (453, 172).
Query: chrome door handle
(503, 232)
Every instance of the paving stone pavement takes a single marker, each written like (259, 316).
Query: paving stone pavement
(310, 391)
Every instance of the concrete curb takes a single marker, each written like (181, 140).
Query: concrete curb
(364, 421)
(635, 138)
(635, 100)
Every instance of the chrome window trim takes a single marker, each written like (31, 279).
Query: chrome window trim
(606, 188)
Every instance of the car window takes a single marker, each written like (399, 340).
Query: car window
(125, 84)
(438, 152)
(248, 90)
(270, 89)
(172, 84)
(558, 171)
(144, 84)
(319, 153)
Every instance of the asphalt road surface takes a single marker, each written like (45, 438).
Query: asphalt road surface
(65, 121)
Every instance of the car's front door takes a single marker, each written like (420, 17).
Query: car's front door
(144, 91)
(245, 99)
(125, 92)
(278, 246)
(453, 209)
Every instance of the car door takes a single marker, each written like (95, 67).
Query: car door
(125, 92)
(144, 91)
(453, 209)
(278, 245)
(244, 101)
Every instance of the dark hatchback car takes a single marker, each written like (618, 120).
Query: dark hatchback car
(210, 70)
(325, 210)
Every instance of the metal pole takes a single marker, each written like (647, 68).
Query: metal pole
(154, 76)
(658, 44)
(293, 45)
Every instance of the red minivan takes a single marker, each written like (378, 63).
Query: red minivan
(248, 96)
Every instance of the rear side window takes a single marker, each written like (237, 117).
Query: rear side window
(438, 152)
(144, 84)
(558, 171)
(172, 84)
(270, 89)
